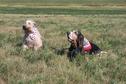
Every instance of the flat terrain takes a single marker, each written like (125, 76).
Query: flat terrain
(44, 66)
(63, 7)
(104, 23)
(63, 2)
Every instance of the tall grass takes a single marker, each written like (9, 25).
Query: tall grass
(45, 67)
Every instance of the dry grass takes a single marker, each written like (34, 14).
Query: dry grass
(45, 67)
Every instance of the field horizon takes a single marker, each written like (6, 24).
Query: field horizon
(65, 2)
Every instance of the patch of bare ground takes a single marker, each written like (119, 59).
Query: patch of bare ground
(9, 30)
(2, 81)
(2, 53)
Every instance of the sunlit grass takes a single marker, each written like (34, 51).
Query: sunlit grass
(61, 11)
(63, 2)
(45, 67)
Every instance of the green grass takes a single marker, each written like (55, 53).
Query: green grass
(45, 67)
(101, 21)
(64, 2)
(62, 11)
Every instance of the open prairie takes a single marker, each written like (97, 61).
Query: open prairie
(104, 23)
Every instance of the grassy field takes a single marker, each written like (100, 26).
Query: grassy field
(64, 2)
(61, 11)
(63, 7)
(101, 21)
(44, 67)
